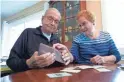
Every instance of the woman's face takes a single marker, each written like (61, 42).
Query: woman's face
(85, 25)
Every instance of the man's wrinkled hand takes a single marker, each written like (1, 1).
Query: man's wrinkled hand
(39, 61)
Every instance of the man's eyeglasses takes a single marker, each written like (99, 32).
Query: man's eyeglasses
(51, 19)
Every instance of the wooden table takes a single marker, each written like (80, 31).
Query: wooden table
(87, 75)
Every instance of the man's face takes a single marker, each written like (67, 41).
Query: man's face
(50, 21)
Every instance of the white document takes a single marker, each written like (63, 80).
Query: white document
(84, 67)
(56, 75)
(88, 67)
(98, 66)
(70, 68)
(71, 71)
(103, 70)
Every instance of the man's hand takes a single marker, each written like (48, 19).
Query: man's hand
(66, 55)
(43, 60)
(97, 59)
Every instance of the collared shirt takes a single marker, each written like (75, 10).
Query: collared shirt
(48, 36)
(25, 46)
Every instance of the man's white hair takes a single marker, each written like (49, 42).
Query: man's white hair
(54, 9)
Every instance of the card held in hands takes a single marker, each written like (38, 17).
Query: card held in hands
(45, 49)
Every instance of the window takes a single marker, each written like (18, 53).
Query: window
(13, 35)
(12, 31)
(113, 16)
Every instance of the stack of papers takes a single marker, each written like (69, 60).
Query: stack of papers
(71, 71)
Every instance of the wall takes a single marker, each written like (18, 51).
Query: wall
(95, 7)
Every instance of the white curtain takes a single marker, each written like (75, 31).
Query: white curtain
(13, 30)
(113, 20)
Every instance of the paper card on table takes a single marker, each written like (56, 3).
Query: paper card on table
(55, 75)
(98, 66)
(45, 49)
(103, 70)
(84, 67)
(70, 68)
(87, 67)
(71, 71)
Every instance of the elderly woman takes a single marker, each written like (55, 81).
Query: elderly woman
(91, 46)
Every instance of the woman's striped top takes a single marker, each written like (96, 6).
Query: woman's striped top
(84, 48)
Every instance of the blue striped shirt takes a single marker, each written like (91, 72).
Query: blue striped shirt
(84, 48)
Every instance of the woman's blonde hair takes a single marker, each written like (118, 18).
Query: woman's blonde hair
(86, 14)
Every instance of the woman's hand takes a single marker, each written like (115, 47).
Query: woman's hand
(97, 59)
(66, 55)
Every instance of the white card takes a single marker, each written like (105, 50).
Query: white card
(88, 67)
(71, 71)
(55, 75)
(103, 70)
(84, 67)
(69, 68)
(98, 66)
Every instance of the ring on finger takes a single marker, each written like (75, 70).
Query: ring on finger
(67, 54)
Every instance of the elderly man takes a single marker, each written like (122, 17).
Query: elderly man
(24, 55)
